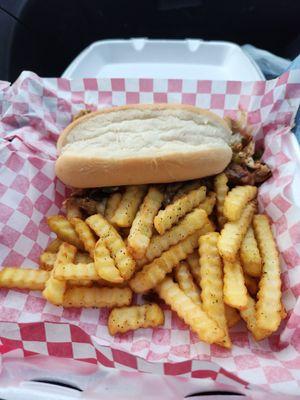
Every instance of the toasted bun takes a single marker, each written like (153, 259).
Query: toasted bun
(137, 144)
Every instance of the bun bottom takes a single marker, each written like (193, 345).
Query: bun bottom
(89, 172)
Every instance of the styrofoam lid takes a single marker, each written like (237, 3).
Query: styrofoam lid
(162, 59)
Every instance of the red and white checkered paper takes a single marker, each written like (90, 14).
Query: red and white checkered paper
(33, 112)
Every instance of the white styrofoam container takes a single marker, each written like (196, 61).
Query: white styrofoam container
(161, 59)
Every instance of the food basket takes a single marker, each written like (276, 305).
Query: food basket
(33, 112)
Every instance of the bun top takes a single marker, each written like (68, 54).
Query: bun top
(120, 139)
(132, 128)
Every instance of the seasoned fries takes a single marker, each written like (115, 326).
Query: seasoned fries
(128, 206)
(250, 256)
(192, 314)
(85, 235)
(161, 240)
(124, 319)
(188, 225)
(208, 204)
(111, 206)
(31, 279)
(221, 189)
(55, 289)
(207, 227)
(235, 291)
(124, 262)
(249, 316)
(211, 283)
(233, 233)
(186, 282)
(193, 262)
(69, 271)
(268, 307)
(105, 265)
(236, 201)
(64, 230)
(173, 212)
(47, 259)
(186, 188)
(97, 297)
(142, 226)
(155, 272)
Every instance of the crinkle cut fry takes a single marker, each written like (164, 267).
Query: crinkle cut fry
(31, 279)
(193, 259)
(85, 235)
(268, 306)
(209, 203)
(70, 271)
(143, 224)
(207, 227)
(235, 291)
(193, 262)
(155, 272)
(111, 206)
(193, 221)
(211, 273)
(97, 297)
(186, 283)
(47, 259)
(250, 256)
(249, 316)
(221, 190)
(123, 259)
(233, 233)
(236, 201)
(124, 319)
(186, 188)
(174, 211)
(128, 206)
(79, 283)
(191, 313)
(55, 289)
(64, 230)
(105, 265)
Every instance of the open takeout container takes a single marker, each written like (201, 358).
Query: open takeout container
(33, 112)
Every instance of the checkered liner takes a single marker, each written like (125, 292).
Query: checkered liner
(33, 111)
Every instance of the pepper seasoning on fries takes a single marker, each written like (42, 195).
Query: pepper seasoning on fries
(127, 242)
(55, 289)
(211, 283)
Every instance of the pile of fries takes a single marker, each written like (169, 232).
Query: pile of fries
(207, 254)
